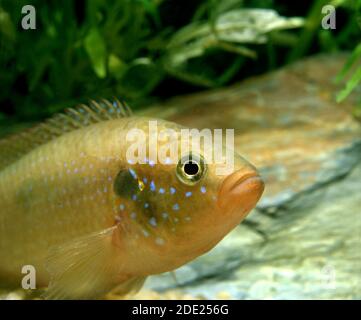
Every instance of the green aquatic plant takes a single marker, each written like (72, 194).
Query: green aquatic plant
(355, 79)
(351, 72)
(353, 62)
(231, 31)
(151, 49)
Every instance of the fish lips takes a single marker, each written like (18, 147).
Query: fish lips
(240, 192)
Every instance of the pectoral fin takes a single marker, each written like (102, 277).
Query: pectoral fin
(85, 268)
(129, 287)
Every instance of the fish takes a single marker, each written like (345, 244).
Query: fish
(93, 222)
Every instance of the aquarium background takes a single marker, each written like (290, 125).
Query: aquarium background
(289, 87)
(149, 50)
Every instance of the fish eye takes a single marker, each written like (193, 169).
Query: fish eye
(190, 169)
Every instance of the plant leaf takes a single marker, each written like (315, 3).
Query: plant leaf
(95, 47)
(230, 32)
(350, 85)
(140, 77)
(116, 66)
(355, 56)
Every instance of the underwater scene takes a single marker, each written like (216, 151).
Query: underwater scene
(180, 150)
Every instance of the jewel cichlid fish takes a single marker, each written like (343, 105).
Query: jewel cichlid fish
(93, 223)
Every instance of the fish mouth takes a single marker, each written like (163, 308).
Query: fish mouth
(240, 192)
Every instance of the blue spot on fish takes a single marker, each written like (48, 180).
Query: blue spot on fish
(151, 163)
(153, 221)
(134, 197)
(176, 207)
(165, 215)
(152, 186)
(121, 207)
(203, 189)
(145, 180)
(188, 194)
(161, 190)
(172, 190)
(146, 205)
(159, 241)
(145, 233)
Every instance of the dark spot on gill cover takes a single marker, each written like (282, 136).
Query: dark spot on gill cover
(126, 186)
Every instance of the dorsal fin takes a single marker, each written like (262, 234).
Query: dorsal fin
(14, 147)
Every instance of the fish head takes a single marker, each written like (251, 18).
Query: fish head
(221, 198)
(182, 204)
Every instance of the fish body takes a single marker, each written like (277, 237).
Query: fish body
(58, 191)
(91, 222)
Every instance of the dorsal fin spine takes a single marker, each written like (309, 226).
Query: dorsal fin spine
(14, 147)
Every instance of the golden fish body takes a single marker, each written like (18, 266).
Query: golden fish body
(90, 222)
(57, 192)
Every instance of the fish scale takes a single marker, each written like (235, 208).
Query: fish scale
(27, 201)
